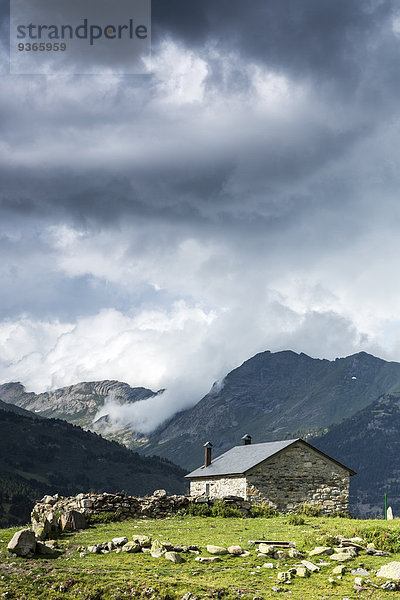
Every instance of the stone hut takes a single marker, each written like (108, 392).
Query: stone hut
(284, 475)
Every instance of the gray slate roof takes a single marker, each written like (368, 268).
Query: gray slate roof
(240, 459)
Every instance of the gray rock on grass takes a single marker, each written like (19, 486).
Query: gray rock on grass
(120, 541)
(236, 550)
(73, 520)
(23, 543)
(47, 551)
(310, 566)
(157, 549)
(208, 559)
(321, 551)
(390, 571)
(341, 556)
(219, 550)
(143, 540)
(174, 557)
(131, 547)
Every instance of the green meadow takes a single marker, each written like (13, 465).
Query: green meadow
(117, 576)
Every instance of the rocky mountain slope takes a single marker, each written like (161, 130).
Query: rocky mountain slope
(79, 404)
(274, 396)
(369, 443)
(47, 456)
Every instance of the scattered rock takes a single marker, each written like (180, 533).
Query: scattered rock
(174, 557)
(339, 570)
(302, 572)
(94, 549)
(236, 550)
(120, 541)
(280, 554)
(373, 552)
(216, 549)
(73, 520)
(294, 553)
(157, 549)
(341, 556)
(208, 559)
(359, 571)
(45, 550)
(284, 576)
(266, 549)
(347, 550)
(390, 585)
(143, 540)
(268, 565)
(131, 547)
(390, 571)
(310, 566)
(160, 494)
(50, 499)
(44, 526)
(352, 542)
(23, 543)
(321, 550)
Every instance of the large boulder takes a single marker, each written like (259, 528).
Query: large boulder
(23, 543)
(73, 520)
(390, 571)
(45, 526)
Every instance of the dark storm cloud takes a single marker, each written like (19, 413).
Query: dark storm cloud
(203, 176)
(243, 196)
(310, 38)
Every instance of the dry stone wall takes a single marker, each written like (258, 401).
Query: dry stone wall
(54, 513)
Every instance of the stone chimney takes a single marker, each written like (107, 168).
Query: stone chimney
(246, 439)
(207, 454)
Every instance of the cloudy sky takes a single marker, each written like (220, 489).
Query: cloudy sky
(244, 196)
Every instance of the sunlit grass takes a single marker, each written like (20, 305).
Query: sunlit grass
(116, 576)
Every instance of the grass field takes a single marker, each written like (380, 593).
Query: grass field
(118, 576)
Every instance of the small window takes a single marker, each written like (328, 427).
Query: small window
(207, 489)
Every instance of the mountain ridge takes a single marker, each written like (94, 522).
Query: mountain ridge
(78, 403)
(271, 396)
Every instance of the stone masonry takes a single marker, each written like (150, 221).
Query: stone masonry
(296, 476)
(218, 487)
